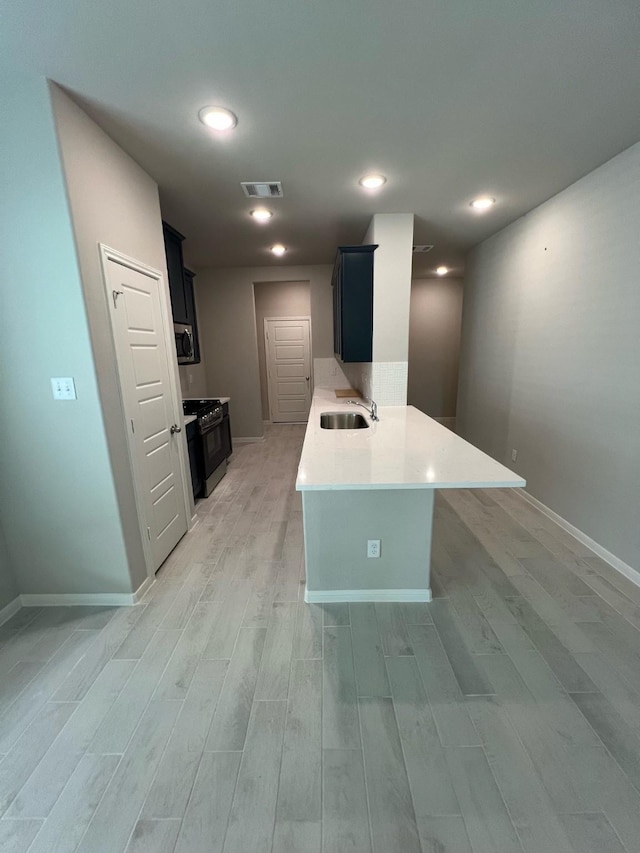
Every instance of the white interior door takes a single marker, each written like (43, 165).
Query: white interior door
(142, 340)
(288, 351)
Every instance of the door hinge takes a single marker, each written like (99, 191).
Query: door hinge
(149, 533)
(133, 429)
(115, 294)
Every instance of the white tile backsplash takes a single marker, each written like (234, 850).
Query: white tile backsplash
(327, 373)
(389, 382)
(383, 381)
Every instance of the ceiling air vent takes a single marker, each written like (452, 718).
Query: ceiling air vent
(262, 189)
(421, 250)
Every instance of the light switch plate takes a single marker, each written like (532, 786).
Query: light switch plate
(64, 388)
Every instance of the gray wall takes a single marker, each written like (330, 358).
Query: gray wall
(276, 299)
(113, 201)
(393, 232)
(434, 345)
(8, 585)
(400, 518)
(57, 497)
(227, 324)
(193, 380)
(550, 361)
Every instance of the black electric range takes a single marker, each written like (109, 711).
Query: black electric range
(211, 447)
(208, 412)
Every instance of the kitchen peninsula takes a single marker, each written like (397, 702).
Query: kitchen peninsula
(375, 484)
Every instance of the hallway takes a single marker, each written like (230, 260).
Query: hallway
(224, 715)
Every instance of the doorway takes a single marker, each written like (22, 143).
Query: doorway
(282, 300)
(288, 353)
(142, 338)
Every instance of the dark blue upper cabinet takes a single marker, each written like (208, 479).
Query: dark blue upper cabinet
(352, 284)
(192, 320)
(181, 290)
(175, 268)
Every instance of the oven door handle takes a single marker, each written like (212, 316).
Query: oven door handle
(210, 427)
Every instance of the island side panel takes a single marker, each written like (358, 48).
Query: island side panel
(337, 525)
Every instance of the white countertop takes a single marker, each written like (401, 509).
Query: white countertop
(405, 449)
(188, 419)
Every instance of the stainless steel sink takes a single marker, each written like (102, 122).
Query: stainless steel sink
(342, 420)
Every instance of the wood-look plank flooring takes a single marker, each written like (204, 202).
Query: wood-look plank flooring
(222, 714)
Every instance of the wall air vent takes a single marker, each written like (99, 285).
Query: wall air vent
(262, 189)
(421, 250)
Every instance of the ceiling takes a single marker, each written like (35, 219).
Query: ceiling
(448, 98)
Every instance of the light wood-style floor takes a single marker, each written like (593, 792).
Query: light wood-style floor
(225, 715)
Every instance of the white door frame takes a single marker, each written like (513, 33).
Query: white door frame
(266, 355)
(108, 254)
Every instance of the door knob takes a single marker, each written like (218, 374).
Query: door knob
(175, 428)
(307, 378)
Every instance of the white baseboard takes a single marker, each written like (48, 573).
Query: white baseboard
(10, 610)
(142, 589)
(96, 599)
(249, 439)
(329, 596)
(615, 562)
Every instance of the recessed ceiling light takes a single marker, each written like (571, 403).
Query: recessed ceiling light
(218, 118)
(442, 270)
(482, 203)
(261, 214)
(372, 182)
(278, 249)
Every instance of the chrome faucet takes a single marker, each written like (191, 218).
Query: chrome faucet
(373, 413)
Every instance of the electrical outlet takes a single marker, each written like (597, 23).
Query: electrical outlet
(514, 455)
(373, 548)
(63, 388)
(190, 378)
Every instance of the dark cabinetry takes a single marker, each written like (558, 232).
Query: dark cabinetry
(226, 424)
(195, 458)
(352, 284)
(190, 302)
(175, 267)
(183, 307)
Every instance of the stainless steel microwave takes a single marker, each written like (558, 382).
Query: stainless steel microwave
(184, 343)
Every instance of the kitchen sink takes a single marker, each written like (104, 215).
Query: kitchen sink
(342, 420)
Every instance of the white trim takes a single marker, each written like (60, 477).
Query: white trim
(108, 254)
(615, 562)
(267, 320)
(106, 599)
(328, 596)
(10, 610)
(248, 439)
(142, 589)
(96, 599)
